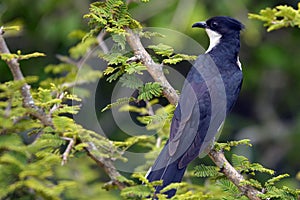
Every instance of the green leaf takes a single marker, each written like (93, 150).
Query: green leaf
(60, 68)
(9, 56)
(258, 167)
(162, 49)
(252, 182)
(120, 40)
(173, 186)
(279, 17)
(12, 159)
(178, 58)
(140, 191)
(114, 58)
(275, 179)
(119, 102)
(109, 70)
(131, 81)
(239, 161)
(228, 186)
(206, 171)
(227, 146)
(111, 15)
(141, 178)
(150, 90)
(115, 75)
(82, 47)
(124, 145)
(135, 68)
(126, 108)
(148, 34)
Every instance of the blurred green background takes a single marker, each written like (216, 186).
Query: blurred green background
(267, 111)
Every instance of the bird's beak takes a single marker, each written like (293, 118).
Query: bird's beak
(200, 25)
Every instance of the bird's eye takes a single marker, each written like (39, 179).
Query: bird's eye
(214, 24)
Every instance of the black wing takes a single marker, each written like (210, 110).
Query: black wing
(200, 112)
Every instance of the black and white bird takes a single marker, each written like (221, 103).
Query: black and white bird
(209, 92)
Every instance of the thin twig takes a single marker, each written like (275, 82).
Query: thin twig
(89, 53)
(46, 120)
(68, 149)
(135, 58)
(101, 43)
(28, 101)
(56, 106)
(157, 74)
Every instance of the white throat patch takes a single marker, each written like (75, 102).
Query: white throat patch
(214, 39)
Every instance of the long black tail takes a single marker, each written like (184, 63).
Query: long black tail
(169, 173)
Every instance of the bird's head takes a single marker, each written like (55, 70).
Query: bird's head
(221, 25)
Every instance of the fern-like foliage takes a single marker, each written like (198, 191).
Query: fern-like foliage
(19, 56)
(206, 171)
(131, 81)
(228, 145)
(112, 15)
(150, 90)
(118, 103)
(228, 187)
(242, 164)
(30, 167)
(271, 188)
(31, 153)
(169, 56)
(279, 17)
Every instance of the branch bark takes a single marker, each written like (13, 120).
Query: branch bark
(232, 174)
(107, 165)
(169, 92)
(154, 69)
(28, 101)
(46, 120)
(68, 149)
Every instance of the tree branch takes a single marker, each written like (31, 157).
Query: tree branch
(155, 70)
(107, 165)
(169, 92)
(46, 120)
(68, 149)
(232, 174)
(28, 102)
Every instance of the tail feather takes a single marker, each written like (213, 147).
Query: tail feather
(169, 174)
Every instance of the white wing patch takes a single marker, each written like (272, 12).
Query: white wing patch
(239, 63)
(148, 172)
(214, 39)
